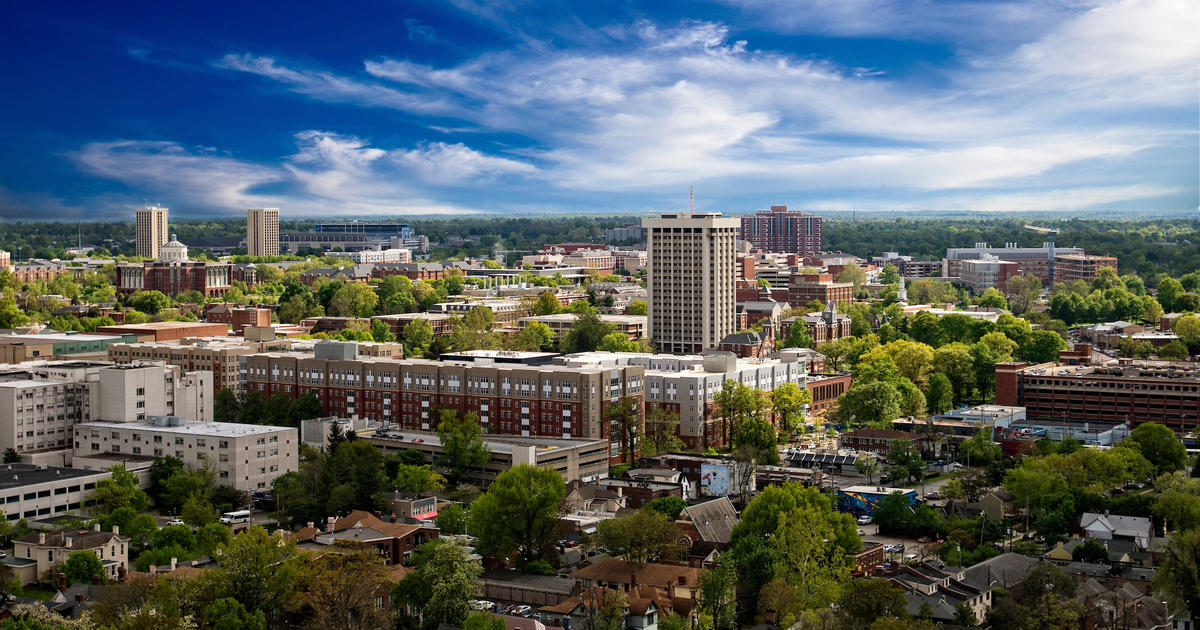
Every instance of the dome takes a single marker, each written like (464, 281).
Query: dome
(173, 243)
(173, 251)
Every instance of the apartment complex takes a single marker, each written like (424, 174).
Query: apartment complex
(376, 255)
(1031, 261)
(151, 231)
(804, 288)
(783, 230)
(36, 414)
(686, 385)
(21, 348)
(262, 231)
(33, 491)
(692, 274)
(218, 355)
(510, 398)
(632, 326)
(1130, 391)
(245, 456)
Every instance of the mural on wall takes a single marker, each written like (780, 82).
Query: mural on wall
(714, 480)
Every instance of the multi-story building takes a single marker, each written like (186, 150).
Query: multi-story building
(376, 255)
(828, 325)
(510, 398)
(38, 554)
(245, 456)
(1031, 261)
(5, 259)
(38, 270)
(686, 385)
(804, 288)
(441, 323)
(632, 326)
(692, 273)
(238, 318)
(1072, 267)
(33, 491)
(262, 231)
(166, 331)
(20, 348)
(982, 273)
(630, 232)
(1130, 391)
(600, 261)
(36, 414)
(173, 273)
(783, 230)
(151, 231)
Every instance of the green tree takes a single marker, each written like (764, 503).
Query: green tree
(353, 300)
(618, 342)
(585, 334)
(474, 331)
(1178, 574)
(441, 584)
(867, 464)
(452, 519)
(980, 449)
(1041, 346)
(547, 304)
(716, 597)
(940, 397)
(626, 418)
(1090, 551)
(254, 407)
(227, 613)
(889, 274)
(737, 402)
(483, 620)
(1169, 291)
(119, 491)
(640, 537)
(258, 570)
(798, 336)
(519, 513)
(82, 566)
(535, 337)
(417, 336)
(876, 403)
(661, 432)
(226, 407)
(161, 470)
(381, 332)
(668, 506)
(275, 410)
(306, 407)
(418, 479)
(865, 600)
(787, 404)
(905, 461)
(462, 442)
(757, 433)
(637, 307)
(149, 301)
(1159, 446)
(955, 362)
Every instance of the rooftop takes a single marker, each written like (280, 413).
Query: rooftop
(58, 338)
(209, 429)
(495, 443)
(21, 475)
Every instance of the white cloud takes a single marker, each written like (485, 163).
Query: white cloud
(444, 163)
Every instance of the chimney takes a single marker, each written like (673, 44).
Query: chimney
(312, 525)
(68, 541)
(174, 562)
(62, 581)
(393, 517)
(632, 579)
(78, 598)
(121, 573)
(329, 522)
(116, 530)
(42, 539)
(96, 527)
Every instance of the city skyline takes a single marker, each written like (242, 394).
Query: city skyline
(533, 108)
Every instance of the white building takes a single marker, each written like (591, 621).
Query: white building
(391, 255)
(34, 492)
(691, 280)
(246, 456)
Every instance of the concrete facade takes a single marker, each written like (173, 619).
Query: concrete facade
(262, 231)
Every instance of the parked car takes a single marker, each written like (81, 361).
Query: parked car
(862, 532)
(934, 495)
(175, 521)
(864, 520)
(522, 611)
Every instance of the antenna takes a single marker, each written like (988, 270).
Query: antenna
(691, 199)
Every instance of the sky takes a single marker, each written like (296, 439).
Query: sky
(510, 106)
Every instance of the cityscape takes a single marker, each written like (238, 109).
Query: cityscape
(675, 316)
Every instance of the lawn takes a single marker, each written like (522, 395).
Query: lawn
(35, 592)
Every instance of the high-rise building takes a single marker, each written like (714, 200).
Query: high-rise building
(783, 230)
(262, 231)
(151, 231)
(692, 278)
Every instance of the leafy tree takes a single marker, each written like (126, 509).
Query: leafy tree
(1159, 445)
(867, 464)
(258, 570)
(1090, 551)
(140, 528)
(716, 597)
(661, 432)
(787, 403)
(940, 397)
(865, 600)
(955, 362)
(535, 337)
(807, 560)
(82, 566)
(340, 586)
(418, 479)
(737, 402)
(889, 274)
(758, 434)
(306, 407)
(441, 584)
(519, 513)
(1179, 505)
(119, 491)
(905, 461)
(417, 336)
(585, 334)
(226, 407)
(992, 298)
(353, 300)
(11, 456)
(161, 470)
(626, 418)
(198, 511)
(452, 519)
(637, 307)
(483, 620)
(875, 403)
(1041, 346)
(462, 441)
(547, 304)
(227, 613)
(149, 301)
(798, 336)
(980, 449)
(381, 332)
(618, 342)
(254, 407)
(1178, 575)
(275, 410)
(474, 330)
(640, 537)
(1169, 291)
(668, 506)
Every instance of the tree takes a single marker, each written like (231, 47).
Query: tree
(258, 570)
(462, 442)
(875, 403)
(149, 301)
(889, 274)
(940, 397)
(757, 433)
(381, 332)
(716, 597)
(1179, 506)
(418, 479)
(798, 336)
(417, 336)
(807, 560)
(340, 586)
(442, 583)
(1169, 291)
(452, 519)
(626, 418)
(474, 330)
(992, 298)
(275, 410)
(668, 506)
(483, 620)
(1159, 445)
(306, 407)
(735, 403)
(980, 449)
(226, 407)
(1090, 551)
(519, 513)
(585, 334)
(865, 600)
(11, 456)
(1028, 485)
(198, 511)
(227, 613)
(787, 403)
(905, 461)
(637, 307)
(1178, 575)
(618, 342)
(867, 464)
(955, 362)
(1188, 328)
(161, 470)
(353, 300)
(535, 337)
(640, 537)
(82, 566)
(121, 490)
(547, 304)
(661, 432)
(254, 407)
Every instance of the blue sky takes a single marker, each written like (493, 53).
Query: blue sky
(378, 107)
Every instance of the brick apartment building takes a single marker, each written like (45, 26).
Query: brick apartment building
(783, 230)
(238, 318)
(818, 287)
(1132, 391)
(510, 398)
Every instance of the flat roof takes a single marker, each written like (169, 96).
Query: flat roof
(161, 325)
(495, 443)
(21, 475)
(59, 337)
(213, 429)
(875, 490)
(33, 382)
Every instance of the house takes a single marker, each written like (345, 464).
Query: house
(750, 345)
(942, 588)
(679, 582)
(997, 504)
(1109, 604)
(639, 492)
(641, 610)
(38, 554)
(1114, 527)
(583, 497)
(663, 475)
(396, 542)
(711, 522)
(409, 505)
(1007, 570)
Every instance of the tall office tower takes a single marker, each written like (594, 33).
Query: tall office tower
(783, 230)
(151, 231)
(692, 273)
(262, 231)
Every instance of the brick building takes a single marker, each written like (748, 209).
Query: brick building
(1072, 267)
(818, 287)
(1132, 391)
(238, 318)
(166, 331)
(783, 230)
(828, 325)
(826, 389)
(877, 441)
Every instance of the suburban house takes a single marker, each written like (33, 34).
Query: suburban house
(36, 555)
(643, 606)
(396, 542)
(996, 504)
(943, 588)
(1115, 527)
(679, 582)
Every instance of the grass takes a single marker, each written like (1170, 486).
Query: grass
(35, 592)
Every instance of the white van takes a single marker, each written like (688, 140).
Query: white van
(232, 518)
